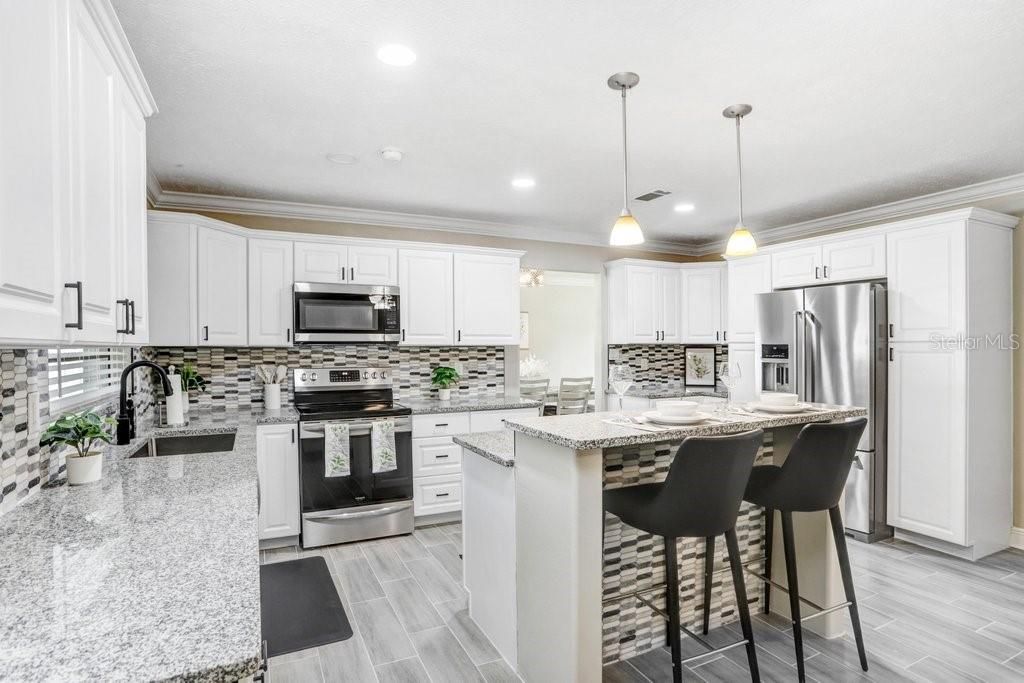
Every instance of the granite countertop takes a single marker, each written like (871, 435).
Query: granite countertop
(668, 390)
(462, 404)
(497, 446)
(151, 573)
(588, 431)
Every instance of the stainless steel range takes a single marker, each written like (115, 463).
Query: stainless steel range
(363, 504)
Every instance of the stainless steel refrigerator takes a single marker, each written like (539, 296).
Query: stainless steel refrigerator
(828, 344)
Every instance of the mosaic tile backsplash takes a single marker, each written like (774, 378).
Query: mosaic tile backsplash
(232, 381)
(656, 363)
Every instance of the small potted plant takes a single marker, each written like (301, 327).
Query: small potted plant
(81, 431)
(444, 378)
(191, 379)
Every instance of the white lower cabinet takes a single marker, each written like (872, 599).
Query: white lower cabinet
(435, 455)
(437, 495)
(277, 466)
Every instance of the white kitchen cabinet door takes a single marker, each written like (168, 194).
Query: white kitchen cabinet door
(437, 495)
(927, 281)
(927, 458)
(172, 247)
(427, 297)
(277, 466)
(223, 292)
(742, 358)
(643, 304)
(702, 305)
(747, 277)
(134, 288)
(796, 267)
(486, 299)
(858, 258)
(321, 262)
(670, 304)
(369, 265)
(31, 176)
(94, 247)
(270, 292)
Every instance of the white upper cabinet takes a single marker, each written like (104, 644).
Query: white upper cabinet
(134, 254)
(31, 174)
(270, 292)
(369, 265)
(927, 281)
(321, 262)
(486, 299)
(702, 297)
(356, 264)
(642, 306)
(747, 277)
(644, 303)
(222, 288)
(172, 246)
(836, 260)
(670, 303)
(427, 297)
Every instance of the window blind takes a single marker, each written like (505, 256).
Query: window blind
(80, 375)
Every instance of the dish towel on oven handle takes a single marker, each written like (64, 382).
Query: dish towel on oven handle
(382, 445)
(336, 450)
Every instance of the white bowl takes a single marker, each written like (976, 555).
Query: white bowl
(778, 399)
(677, 408)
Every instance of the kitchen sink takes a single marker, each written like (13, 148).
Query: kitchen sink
(185, 445)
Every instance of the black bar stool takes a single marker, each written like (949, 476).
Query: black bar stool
(811, 480)
(700, 497)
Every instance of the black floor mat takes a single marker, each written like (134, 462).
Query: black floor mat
(300, 606)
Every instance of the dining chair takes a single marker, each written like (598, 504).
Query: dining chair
(535, 389)
(574, 395)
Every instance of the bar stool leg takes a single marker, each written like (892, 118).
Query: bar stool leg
(794, 589)
(672, 607)
(741, 602)
(839, 533)
(709, 577)
(769, 532)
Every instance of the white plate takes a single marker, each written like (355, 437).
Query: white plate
(782, 410)
(658, 418)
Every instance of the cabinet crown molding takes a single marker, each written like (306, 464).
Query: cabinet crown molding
(113, 34)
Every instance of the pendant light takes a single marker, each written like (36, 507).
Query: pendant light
(626, 231)
(741, 242)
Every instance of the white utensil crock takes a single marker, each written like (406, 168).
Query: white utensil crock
(272, 396)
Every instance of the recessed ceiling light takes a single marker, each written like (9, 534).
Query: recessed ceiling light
(523, 183)
(341, 158)
(392, 154)
(396, 55)
(684, 208)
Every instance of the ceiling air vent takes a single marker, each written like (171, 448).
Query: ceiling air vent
(653, 194)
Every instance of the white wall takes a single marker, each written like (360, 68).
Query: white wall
(565, 327)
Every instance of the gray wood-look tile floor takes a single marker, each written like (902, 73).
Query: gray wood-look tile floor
(405, 600)
(926, 617)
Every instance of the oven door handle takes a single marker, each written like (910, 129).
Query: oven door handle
(341, 516)
(316, 429)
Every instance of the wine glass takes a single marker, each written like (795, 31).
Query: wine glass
(729, 374)
(621, 379)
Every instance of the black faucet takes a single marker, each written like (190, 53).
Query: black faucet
(126, 408)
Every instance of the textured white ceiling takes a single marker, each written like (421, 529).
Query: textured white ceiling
(855, 104)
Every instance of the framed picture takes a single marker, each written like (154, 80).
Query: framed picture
(524, 330)
(700, 366)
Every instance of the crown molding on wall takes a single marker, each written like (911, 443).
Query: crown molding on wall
(153, 188)
(188, 201)
(113, 34)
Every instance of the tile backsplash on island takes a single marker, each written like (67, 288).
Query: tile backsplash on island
(657, 363)
(230, 372)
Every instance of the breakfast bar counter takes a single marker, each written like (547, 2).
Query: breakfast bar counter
(570, 557)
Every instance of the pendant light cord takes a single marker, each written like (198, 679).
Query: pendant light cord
(625, 157)
(739, 169)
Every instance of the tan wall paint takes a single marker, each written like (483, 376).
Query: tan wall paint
(544, 255)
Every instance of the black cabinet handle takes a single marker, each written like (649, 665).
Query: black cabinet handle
(131, 304)
(206, 333)
(460, 336)
(824, 271)
(127, 325)
(890, 330)
(403, 334)
(890, 354)
(817, 273)
(293, 435)
(725, 336)
(352, 274)
(441, 495)
(440, 424)
(717, 333)
(76, 285)
(440, 457)
(288, 335)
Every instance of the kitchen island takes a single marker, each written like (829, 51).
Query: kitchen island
(569, 556)
(152, 573)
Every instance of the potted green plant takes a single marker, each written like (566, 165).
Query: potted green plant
(191, 380)
(444, 378)
(81, 431)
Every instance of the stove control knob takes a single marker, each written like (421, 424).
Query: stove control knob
(302, 377)
(313, 376)
(366, 374)
(383, 374)
(373, 375)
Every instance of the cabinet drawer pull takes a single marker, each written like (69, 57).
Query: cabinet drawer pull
(441, 495)
(78, 286)
(441, 457)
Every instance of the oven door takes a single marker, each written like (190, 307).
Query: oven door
(327, 313)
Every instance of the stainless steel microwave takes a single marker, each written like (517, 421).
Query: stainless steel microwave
(326, 313)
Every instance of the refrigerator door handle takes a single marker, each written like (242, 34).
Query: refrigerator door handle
(798, 352)
(809, 354)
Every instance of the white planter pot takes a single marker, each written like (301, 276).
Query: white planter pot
(84, 470)
(272, 396)
(444, 394)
